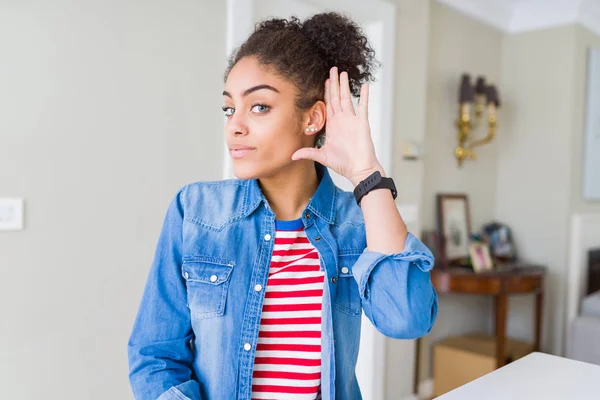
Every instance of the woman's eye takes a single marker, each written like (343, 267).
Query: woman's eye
(228, 111)
(260, 108)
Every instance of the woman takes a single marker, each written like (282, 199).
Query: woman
(258, 284)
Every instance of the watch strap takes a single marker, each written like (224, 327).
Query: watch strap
(373, 182)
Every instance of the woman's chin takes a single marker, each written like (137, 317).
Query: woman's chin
(245, 171)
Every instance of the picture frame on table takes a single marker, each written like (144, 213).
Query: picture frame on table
(454, 227)
(481, 259)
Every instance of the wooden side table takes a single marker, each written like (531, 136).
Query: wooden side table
(502, 282)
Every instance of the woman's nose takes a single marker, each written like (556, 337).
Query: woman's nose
(236, 125)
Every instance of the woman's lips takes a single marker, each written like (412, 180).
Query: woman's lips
(240, 153)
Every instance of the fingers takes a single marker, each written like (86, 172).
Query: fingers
(337, 92)
(363, 103)
(310, 153)
(345, 95)
(334, 90)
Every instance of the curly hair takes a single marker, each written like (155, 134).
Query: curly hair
(304, 52)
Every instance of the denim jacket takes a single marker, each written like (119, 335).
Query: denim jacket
(197, 326)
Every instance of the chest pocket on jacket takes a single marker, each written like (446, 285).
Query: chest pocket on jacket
(347, 298)
(207, 280)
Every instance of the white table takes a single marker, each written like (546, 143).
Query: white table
(535, 376)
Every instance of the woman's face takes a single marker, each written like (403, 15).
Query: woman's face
(263, 126)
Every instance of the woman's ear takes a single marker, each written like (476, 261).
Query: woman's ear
(315, 118)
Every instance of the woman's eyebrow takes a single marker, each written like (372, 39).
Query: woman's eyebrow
(253, 89)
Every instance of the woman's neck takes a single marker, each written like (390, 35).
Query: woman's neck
(289, 192)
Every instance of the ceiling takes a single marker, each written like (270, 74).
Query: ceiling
(526, 15)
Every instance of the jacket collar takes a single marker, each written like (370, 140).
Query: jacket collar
(322, 203)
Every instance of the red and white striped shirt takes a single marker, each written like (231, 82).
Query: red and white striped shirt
(287, 364)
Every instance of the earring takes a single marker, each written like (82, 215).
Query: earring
(307, 129)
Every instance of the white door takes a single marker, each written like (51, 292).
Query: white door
(377, 18)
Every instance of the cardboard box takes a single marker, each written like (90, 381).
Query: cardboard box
(461, 359)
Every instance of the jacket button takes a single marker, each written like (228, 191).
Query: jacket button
(307, 215)
(258, 288)
(333, 280)
(267, 237)
(247, 346)
(345, 270)
(186, 275)
(318, 238)
(213, 278)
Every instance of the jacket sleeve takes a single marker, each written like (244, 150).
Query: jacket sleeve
(159, 352)
(396, 291)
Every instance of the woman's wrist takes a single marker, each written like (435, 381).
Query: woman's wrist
(359, 177)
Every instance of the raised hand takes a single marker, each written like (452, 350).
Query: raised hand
(348, 148)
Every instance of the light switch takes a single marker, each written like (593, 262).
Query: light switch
(11, 214)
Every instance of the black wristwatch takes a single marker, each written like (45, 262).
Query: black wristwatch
(374, 181)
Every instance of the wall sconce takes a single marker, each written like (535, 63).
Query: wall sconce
(478, 96)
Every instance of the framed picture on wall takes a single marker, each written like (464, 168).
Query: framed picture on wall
(454, 227)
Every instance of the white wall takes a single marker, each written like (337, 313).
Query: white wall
(107, 107)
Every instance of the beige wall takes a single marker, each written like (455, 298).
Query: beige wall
(534, 180)
(107, 108)
(458, 44)
(544, 76)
